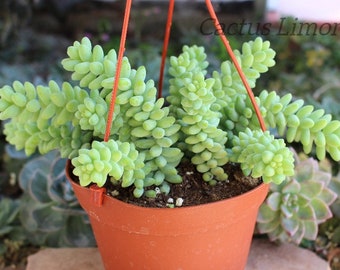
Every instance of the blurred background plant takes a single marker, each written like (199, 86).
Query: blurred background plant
(293, 210)
(12, 237)
(327, 243)
(46, 213)
(50, 213)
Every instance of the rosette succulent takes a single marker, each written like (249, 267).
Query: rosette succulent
(294, 209)
(207, 119)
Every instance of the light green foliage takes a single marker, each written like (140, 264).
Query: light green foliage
(191, 99)
(210, 119)
(50, 214)
(191, 61)
(121, 161)
(260, 154)
(87, 64)
(95, 70)
(41, 117)
(92, 113)
(138, 117)
(302, 123)
(231, 97)
(210, 110)
(293, 209)
(68, 118)
(154, 133)
(214, 109)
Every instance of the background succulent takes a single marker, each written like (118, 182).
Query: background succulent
(293, 210)
(49, 212)
(329, 232)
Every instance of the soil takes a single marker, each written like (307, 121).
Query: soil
(193, 190)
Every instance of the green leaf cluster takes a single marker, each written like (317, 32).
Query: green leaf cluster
(231, 97)
(121, 161)
(302, 123)
(261, 155)
(209, 120)
(41, 117)
(69, 118)
(191, 100)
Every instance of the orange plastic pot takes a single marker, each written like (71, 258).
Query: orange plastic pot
(210, 236)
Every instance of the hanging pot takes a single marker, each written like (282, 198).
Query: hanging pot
(210, 236)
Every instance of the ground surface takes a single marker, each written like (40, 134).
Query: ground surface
(263, 256)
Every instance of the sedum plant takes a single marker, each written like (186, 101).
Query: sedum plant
(208, 119)
(294, 209)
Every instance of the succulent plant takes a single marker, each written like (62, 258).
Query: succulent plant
(335, 186)
(210, 120)
(49, 212)
(293, 210)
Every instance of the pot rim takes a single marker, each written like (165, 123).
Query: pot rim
(251, 193)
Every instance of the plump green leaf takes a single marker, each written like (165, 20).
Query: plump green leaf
(266, 214)
(307, 213)
(269, 226)
(311, 229)
(328, 196)
(274, 201)
(291, 225)
(298, 236)
(288, 212)
(291, 187)
(311, 189)
(321, 209)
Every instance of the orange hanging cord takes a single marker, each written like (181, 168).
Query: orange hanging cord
(165, 46)
(164, 52)
(236, 64)
(118, 69)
